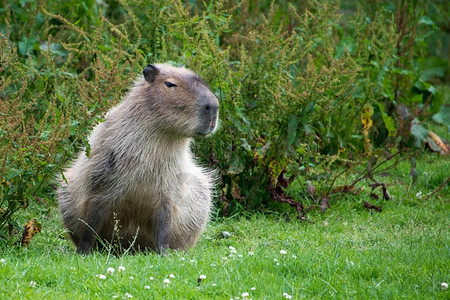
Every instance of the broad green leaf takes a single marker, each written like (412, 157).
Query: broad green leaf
(44, 135)
(430, 67)
(55, 48)
(436, 101)
(426, 20)
(246, 145)
(388, 122)
(345, 45)
(419, 132)
(416, 98)
(25, 45)
(13, 172)
(292, 130)
(236, 165)
(443, 116)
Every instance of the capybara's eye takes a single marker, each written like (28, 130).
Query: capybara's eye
(170, 84)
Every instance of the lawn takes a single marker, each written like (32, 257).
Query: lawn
(346, 252)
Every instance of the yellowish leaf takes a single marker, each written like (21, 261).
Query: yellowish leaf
(30, 229)
(366, 120)
(235, 189)
(445, 149)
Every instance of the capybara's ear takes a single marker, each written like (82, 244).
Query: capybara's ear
(150, 73)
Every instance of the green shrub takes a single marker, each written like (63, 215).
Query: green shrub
(52, 94)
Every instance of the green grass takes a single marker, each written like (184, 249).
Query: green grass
(345, 253)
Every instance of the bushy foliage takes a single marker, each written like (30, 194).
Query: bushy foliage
(52, 94)
(292, 81)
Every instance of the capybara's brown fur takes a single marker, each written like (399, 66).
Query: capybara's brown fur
(140, 172)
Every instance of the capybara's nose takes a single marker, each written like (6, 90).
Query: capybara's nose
(211, 109)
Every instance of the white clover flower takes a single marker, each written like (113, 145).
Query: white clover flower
(110, 271)
(202, 277)
(275, 260)
(128, 295)
(32, 283)
(253, 288)
(146, 287)
(121, 268)
(166, 281)
(287, 296)
(251, 253)
(2, 260)
(182, 258)
(151, 278)
(171, 276)
(100, 276)
(226, 234)
(245, 295)
(294, 256)
(425, 173)
(224, 258)
(419, 194)
(283, 252)
(213, 284)
(232, 249)
(240, 255)
(444, 285)
(131, 278)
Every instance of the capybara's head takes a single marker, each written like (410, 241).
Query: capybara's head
(181, 100)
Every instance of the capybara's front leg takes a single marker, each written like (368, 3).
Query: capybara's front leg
(163, 225)
(96, 214)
